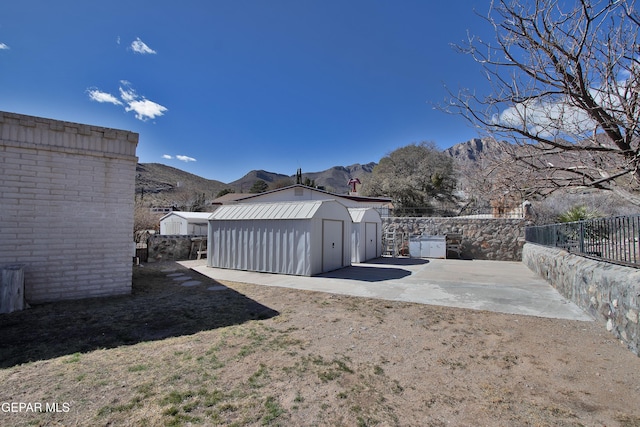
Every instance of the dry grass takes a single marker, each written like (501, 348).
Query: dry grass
(252, 355)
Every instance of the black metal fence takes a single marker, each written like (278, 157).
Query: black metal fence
(614, 239)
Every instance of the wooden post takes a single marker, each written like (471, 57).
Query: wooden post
(12, 288)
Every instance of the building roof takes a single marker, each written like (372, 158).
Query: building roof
(361, 214)
(240, 196)
(279, 210)
(230, 197)
(189, 215)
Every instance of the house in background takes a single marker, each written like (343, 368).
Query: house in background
(299, 238)
(184, 223)
(299, 192)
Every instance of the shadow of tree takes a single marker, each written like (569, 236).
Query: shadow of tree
(158, 308)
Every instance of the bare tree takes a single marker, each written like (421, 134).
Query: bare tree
(564, 90)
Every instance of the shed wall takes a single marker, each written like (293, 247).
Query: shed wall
(274, 246)
(173, 225)
(286, 238)
(366, 234)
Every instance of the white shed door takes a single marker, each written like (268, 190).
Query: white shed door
(172, 228)
(371, 240)
(332, 232)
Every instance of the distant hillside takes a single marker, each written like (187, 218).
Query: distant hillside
(165, 185)
(476, 150)
(336, 179)
(162, 184)
(244, 184)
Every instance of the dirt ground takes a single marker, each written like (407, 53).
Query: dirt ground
(256, 355)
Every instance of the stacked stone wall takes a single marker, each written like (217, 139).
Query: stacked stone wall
(170, 247)
(609, 292)
(487, 239)
(66, 196)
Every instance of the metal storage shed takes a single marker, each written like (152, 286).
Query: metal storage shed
(366, 234)
(299, 238)
(184, 223)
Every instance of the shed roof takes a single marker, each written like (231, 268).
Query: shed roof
(189, 215)
(231, 198)
(281, 210)
(364, 214)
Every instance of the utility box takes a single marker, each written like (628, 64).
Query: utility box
(11, 288)
(428, 247)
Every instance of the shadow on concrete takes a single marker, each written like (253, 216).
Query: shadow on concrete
(397, 261)
(158, 308)
(366, 274)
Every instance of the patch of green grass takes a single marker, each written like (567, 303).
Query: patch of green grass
(328, 375)
(74, 358)
(173, 410)
(180, 420)
(109, 409)
(378, 370)
(146, 389)
(212, 398)
(175, 397)
(343, 366)
(214, 362)
(137, 368)
(256, 340)
(366, 422)
(274, 410)
(332, 374)
(257, 379)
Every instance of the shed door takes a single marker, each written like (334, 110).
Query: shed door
(371, 243)
(173, 227)
(332, 256)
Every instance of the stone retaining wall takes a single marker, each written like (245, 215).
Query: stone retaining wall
(488, 238)
(169, 248)
(609, 292)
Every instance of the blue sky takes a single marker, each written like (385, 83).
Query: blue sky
(219, 88)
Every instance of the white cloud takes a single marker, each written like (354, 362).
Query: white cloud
(126, 92)
(146, 109)
(142, 107)
(185, 158)
(4, 46)
(167, 156)
(558, 117)
(98, 96)
(138, 46)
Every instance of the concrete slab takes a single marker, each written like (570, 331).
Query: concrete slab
(499, 286)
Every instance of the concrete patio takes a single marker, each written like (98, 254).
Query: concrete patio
(499, 286)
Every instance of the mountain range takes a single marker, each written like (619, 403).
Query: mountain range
(165, 184)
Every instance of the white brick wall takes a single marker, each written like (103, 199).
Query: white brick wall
(66, 206)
